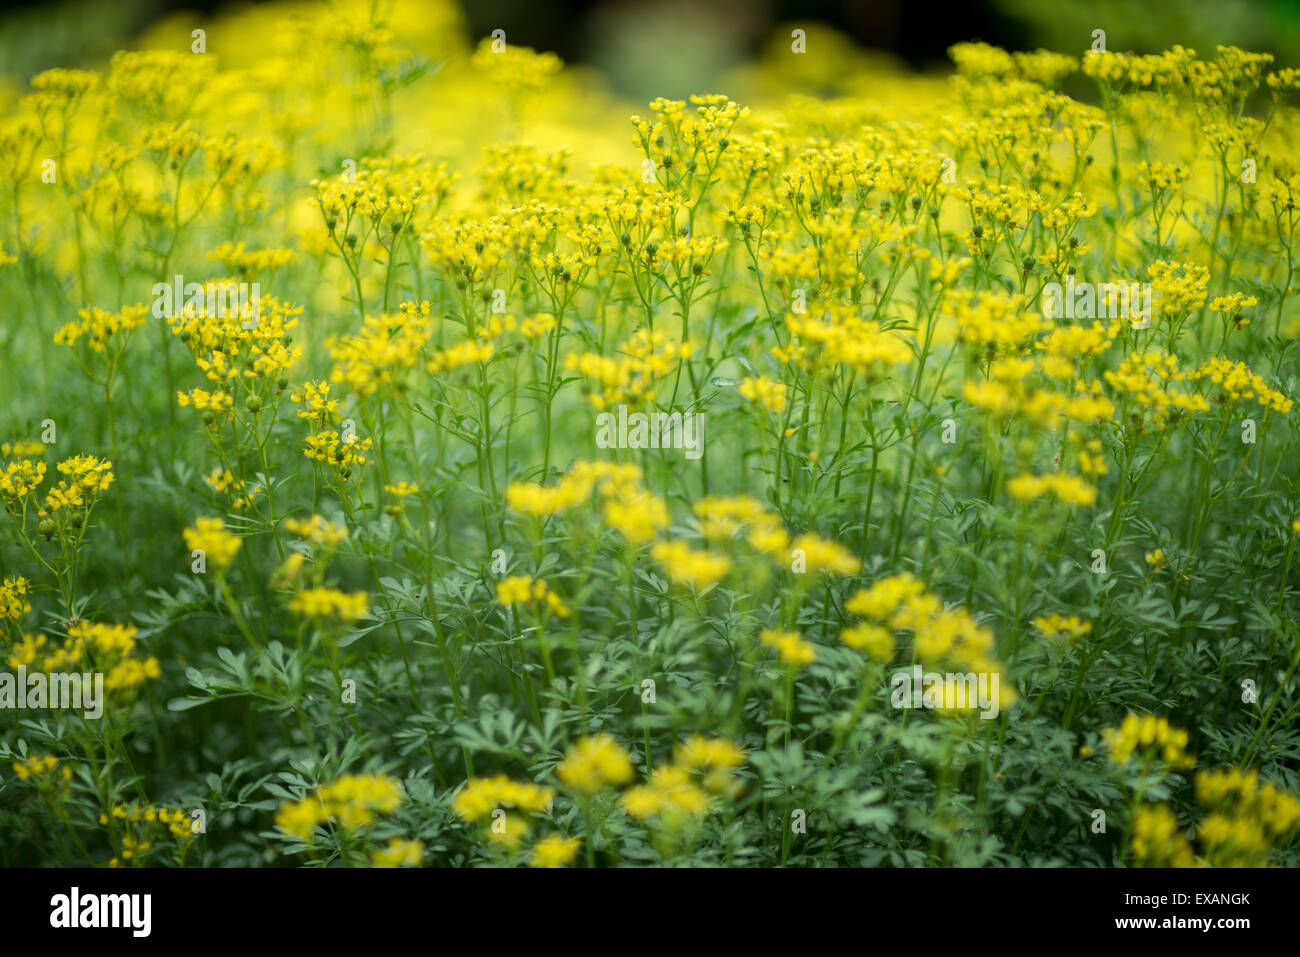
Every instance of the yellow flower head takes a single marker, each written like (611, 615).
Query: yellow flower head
(790, 646)
(593, 763)
(209, 536)
(555, 850)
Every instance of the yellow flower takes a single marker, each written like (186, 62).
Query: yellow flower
(318, 530)
(593, 763)
(399, 853)
(516, 590)
(351, 801)
(881, 599)
(516, 68)
(724, 517)
(524, 589)
(204, 401)
(380, 354)
(98, 326)
(1158, 841)
(636, 513)
(322, 603)
(1060, 626)
(1068, 489)
(765, 392)
(507, 829)
(671, 793)
(329, 448)
(19, 479)
(770, 539)
(644, 360)
(462, 354)
(642, 802)
(821, 555)
(314, 397)
(289, 573)
(876, 641)
(13, 598)
(1153, 738)
(36, 766)
(790, 647)
(700, 753)
(698, 569)
(555, 850)
(209, 536)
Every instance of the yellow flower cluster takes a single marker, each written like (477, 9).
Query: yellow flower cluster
(594, 763)
(1239, 382)
(765, 392)
(480, 796)
(340, 454)
(1246, 819)
(399, 852)
(873, 640)
(515, 68)
(701, 766)
(693, 567)
(1244, 822)
(19, 479)
(230, 347)
(842, 335)
(209, 536)
(1150, 737)
(573, 489)
(791, 647)
(464, 353)
(940, 635)
(317, 530)
(176, 820)
(107, 647)
(1158, 840)
(379, 355)
(1144, 378)
(555, 850)
(351, 803)
(13, 598)
(141, 827)
(1178, 288)
(87, 476)
(636, 513)
(643, 362)
(1066, 627)
(250, 262)
(330, 603)
(314, 397)
(1067, 489)
(723, 517)
(38, 766)
(996, 321)
(98, 326)
(524, 589)
(817, 554)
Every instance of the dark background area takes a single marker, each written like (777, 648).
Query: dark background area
(918, 32)
(626, 39)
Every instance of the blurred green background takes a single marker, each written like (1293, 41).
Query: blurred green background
(675, 47)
